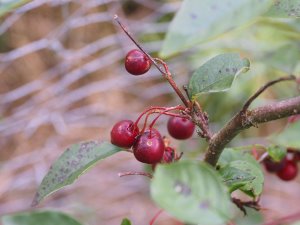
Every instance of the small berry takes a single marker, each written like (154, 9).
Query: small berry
(123, 133)
(136, 62)
(289, 171)
(180, 128)
(169, 155)
(149, 149)
(272, 166)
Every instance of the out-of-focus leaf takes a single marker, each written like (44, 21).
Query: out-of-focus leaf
(126, 221)
(217, 74)
(9, 5)
(285, 8)
(277, 153)
(192, 192)
(198, 21)
(253, 218)
(39, 217)
(71, 164)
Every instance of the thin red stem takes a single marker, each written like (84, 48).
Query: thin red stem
(147, 110)
(155, 217)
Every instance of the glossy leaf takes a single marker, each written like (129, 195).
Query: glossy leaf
(71, 164)
(192, 192)
(9, 5)
(277, 153)
(126, 221)
(289, 137)
(217, 74)
(39, 217)
(198, 21)
(285, 8)
(254, 186)
(235, 178)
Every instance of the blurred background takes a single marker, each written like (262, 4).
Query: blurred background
(63, 81)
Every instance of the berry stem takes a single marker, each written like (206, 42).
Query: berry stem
(155, 217)
(166, 73)
(146, 111)
(129, 173)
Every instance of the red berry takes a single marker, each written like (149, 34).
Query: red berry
(136, 62)
(180, 128)
(289, 171)
(272, 166)
(123, 133)
(169, 155)
(149, 149)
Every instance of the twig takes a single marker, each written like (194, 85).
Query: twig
(129, 173)
(241, 205)
(263, 88)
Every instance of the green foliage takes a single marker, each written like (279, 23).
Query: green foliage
(253, 218)
(243, 172)
(277, 153)
(126, 221)
(71, 164)
(39, 217)
(198, 21)
(285, 8)
(192, 192)
(217, 74)
(10, 5)
(289, 137)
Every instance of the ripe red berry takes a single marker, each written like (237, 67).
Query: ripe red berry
(136, 62)
(149, 148)
(272, 166)
(180, 128)
(123, 133)
(289, 171)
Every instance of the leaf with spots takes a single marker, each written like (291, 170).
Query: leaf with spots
(192, 192)
(71, 164)
(39, 217)
(126, 221)
(289, 137)
(245, 170)
(200, 21)
(285, 8)
(9, 5)
(217, 74)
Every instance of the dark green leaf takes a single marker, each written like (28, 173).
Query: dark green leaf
(9, 5)
(39, 217)
(253, 186)
(289, 137)
(285, 8)
(217, 74)
(235, 178)
(126, 221)
(276, 153)
(71, 164)
(192, 192)
(198, 21)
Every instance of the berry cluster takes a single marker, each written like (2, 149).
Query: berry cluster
(287, 168)
(148, 145)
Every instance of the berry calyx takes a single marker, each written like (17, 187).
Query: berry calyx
(149, 148)
(289, 171)
(272, 166)
(124, 133)
(137, 62)
(180, 128)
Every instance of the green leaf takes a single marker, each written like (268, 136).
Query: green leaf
(235, 178)
(284, 58)
(277, 153)
(285, 8)
(126, 221)
(39, 217)
(254, 186)
(192, 192)
(198, 21)
(10, 5)
(289, 137)
(217, 74)
(71, 164)
(253, 218)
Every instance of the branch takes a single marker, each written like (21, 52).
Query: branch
(263, 88)
(239, 122)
